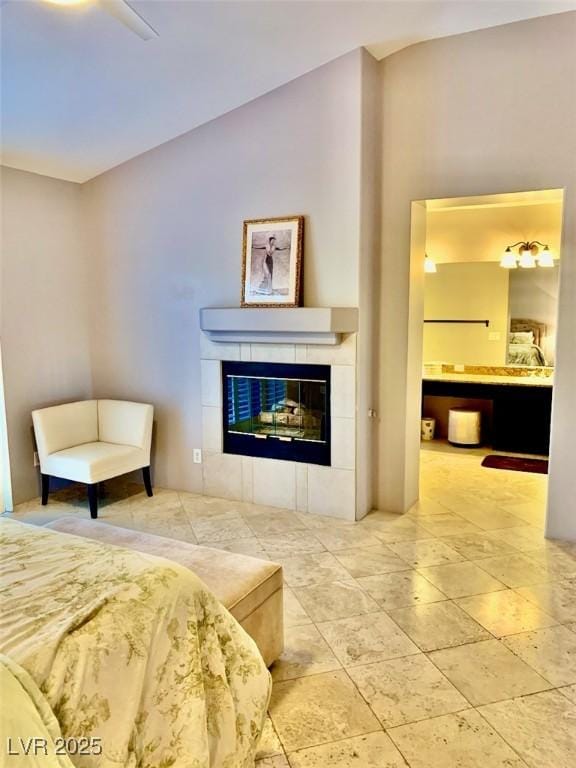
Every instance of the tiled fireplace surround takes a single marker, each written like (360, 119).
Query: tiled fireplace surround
(287, 484)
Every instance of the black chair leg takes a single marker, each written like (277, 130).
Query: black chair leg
(45, 489)
(93, 500)
(147, 480)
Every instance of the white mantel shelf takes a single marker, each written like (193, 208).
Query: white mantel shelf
(279, 325)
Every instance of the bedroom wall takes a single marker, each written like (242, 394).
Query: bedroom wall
(454, 131)
(165, 234)
(44, 315)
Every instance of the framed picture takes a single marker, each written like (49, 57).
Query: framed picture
(272, 262)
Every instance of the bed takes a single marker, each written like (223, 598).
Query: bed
(130, 652)
(524, 342)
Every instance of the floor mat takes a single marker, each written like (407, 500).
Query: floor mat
(516, 464)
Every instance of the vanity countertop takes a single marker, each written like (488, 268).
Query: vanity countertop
(485, 378)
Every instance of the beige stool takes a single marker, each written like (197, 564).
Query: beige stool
(464, 426)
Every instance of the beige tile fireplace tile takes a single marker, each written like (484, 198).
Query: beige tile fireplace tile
(274, 483)
(247, 475)
(245, 352)
(331, 492)
(301, 487)
(343, 443)
(215, 350)
(212, 428)
(273, 353)
(211, 382)
(319, 709)
(222, 475)
(339, 354)
(343, 391)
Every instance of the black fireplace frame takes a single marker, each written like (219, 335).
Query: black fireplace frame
(303, 451)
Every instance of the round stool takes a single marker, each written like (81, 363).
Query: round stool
(463, 426)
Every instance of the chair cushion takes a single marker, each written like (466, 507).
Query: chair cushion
(64, 426)
(241, 583)
(94, 462)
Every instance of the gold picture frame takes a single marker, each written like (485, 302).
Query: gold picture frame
(272, 255)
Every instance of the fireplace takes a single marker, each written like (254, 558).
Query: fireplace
(277, 410)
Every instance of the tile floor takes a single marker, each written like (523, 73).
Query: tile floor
(444, 638)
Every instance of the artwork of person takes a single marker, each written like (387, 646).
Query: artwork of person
(268, 264)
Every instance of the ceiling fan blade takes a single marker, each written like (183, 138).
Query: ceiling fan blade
(124, 13)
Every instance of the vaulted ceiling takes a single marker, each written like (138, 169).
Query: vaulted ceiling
(81, 93)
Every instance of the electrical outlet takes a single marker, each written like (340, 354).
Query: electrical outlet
(197, 456)
(36, 459)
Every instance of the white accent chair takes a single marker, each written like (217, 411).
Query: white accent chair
(91, 441)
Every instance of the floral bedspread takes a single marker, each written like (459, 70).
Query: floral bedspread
(140, 663)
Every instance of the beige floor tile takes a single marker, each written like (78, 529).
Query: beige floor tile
(305, 570)
(474, 546)
(404, 528)
(403, 690)
(276, 761)
(269, 744)
(515, 570)
(294, 613)
(524, 538)
(461, 579)
(420, 554)
(336, 600)
(248, 546)
(550, 651)
(273, 521)
(346, 539)
(403, 588)
(558, 599)
(374, 750)
(570, 692)
(505, 613)
(370, 561)
(366, 639)
(439, 625)
(487, 671)
(291, 543)
(319, 709)
(221, 528)
(305, 653)
(463, 740)
(447, 524)
(541, 728)
(556, 560)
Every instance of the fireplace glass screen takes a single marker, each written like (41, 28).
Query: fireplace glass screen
(289, 408)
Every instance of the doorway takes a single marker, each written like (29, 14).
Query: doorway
(486, 304)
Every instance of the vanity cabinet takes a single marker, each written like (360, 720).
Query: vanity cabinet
(521, 412)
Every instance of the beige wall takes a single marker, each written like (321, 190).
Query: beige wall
(165, 233)
(474, 291)
(454, 131)
(482, 233)
(44, 316)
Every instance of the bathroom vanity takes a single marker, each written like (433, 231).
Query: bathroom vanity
(521, 405)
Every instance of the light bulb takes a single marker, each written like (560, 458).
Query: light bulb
(429, 265)
(526, 260)
(546, 258)
(508, 260)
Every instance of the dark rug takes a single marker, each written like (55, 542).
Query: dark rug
(516, 464)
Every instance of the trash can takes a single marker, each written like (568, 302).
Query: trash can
(427, 427)
(464, 427)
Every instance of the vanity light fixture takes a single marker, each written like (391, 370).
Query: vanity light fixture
(429, 265)
(529, 255)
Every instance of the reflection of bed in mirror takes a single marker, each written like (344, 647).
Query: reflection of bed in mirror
(525, 342)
